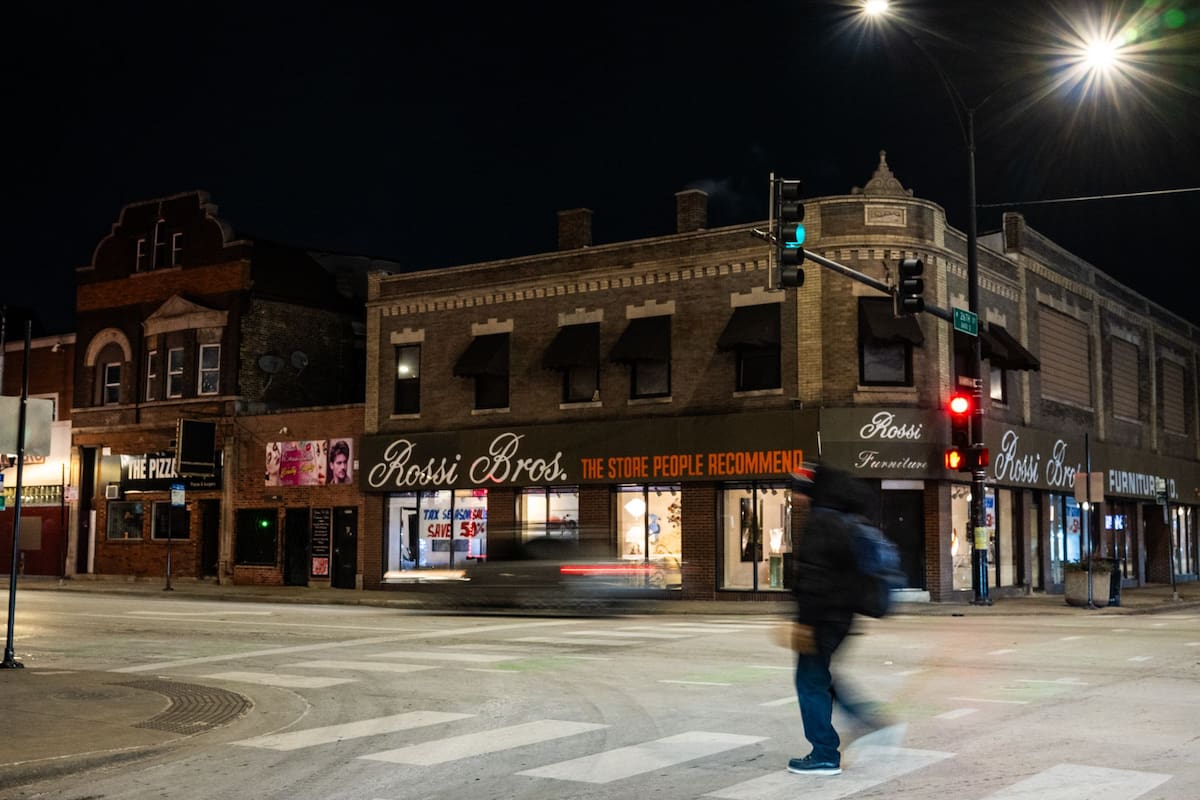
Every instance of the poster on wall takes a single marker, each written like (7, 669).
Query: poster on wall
(322, 522)
(341, 461)
(311, 462)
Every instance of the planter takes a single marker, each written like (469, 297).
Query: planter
(1075, 587)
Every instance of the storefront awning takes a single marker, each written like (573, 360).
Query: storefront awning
(644, 339)
(1015, 354)
(754, 326)
(885, 326)
(486, 355)
(574, 346)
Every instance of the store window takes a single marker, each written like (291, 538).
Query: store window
(1002, 540)
(1118, 540)
(756, 536)
(435, 530)
(257, 537)
(124, 520)
(1066, 534)
(402, 534)
(1183, 541)
(960, 537)
(551, 512)
(650, 530)
(170, 522)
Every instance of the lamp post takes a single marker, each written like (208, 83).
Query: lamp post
(1096, 57)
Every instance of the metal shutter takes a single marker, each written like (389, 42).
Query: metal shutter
(1066, 364)
(1125, 383)
(1172, 392)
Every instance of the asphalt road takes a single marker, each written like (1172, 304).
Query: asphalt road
(359, 702)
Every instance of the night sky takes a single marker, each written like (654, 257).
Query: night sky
(448, 133)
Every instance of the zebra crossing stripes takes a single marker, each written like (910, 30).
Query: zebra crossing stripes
(872, 766)
(471, 745)
(280, 680)
(569, 640)
(359, 666)
(625, 762)
(295, 740)
(449, 655)
(628, 633)
(1079, 782)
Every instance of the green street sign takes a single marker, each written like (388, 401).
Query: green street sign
(966, 321)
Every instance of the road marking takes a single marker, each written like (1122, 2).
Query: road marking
(908, 672)
(277, 679)
(361, 666)
(657, 633)
(1060, 681)
(1001, 652)
(471, 745)
(1193, 644)
(772, 666)
(625, 634)
(956, 713)
(308, 648)
(625, 762)
(1070, 638)
(1158, 625)
(51, 672)
(296, 740)
(789, 700)
(1078, 782)
(213, 613)
(485, 669)
(1141, 658)
(873, 766)
(697, 683)
(588, 658)
(989, 700)
(567, 640)
(700, 627)
(450, 655)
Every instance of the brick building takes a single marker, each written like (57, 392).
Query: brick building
(181, 318)
(650, 397)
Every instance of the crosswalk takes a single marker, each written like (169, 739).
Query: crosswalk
(444, 737)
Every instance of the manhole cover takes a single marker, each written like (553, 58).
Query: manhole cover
(193, 708)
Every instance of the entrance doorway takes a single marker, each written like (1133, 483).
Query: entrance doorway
(345, 548)
(903, 520)
(210, 537)
(295, 547)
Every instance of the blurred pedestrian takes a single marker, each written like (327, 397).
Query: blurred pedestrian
(825, 584)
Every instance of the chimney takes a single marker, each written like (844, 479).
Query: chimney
(691, 210)
(574, 229)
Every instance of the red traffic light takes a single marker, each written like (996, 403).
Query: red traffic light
(959, 403)
(954, 459)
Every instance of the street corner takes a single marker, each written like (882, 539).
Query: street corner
(66, 721)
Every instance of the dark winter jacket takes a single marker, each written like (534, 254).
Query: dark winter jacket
(825, 575)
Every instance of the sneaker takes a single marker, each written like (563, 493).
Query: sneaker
(812, 766)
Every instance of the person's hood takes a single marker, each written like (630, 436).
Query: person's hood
(832, 488)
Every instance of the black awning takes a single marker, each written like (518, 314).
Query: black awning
(644, 339)
(1015, 354)
(486, 355)
(882, 324)
(754, 326)
(990, 347)
(574, 346)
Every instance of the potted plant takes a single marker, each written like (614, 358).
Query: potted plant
(1076, 575)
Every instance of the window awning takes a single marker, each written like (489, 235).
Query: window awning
(1015, 354)
(885, 326)
(486, 355)
(754, 326)
(574, 346)
(644, 339)
(990, 348)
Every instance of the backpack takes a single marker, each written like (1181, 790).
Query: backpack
(878, 568)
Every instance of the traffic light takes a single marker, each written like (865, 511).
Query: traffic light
(912, 286)
(789, 233)
(958, 457)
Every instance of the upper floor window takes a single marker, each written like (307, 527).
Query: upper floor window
(175, 372)
(1174, 404)
(998, 386)
(112, 383)
(160, 245)
(408, 379)
(645, 345)
(139, 259)
(1065, 357)
(486, 360)
(885, 343)
(575, 351)
(176, 248)
(209, 377)
(753, 334)
(1126, 383)
(151, 374)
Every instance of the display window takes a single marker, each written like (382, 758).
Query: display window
(756, 537)
(432, 530)
(650, 530)
(1001, 538)
(1183, 541)
(1118, 540)
(552, 512)
(1066, 533)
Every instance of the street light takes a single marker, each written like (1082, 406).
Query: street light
(1100, 54)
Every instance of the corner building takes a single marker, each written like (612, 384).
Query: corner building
(648, 399)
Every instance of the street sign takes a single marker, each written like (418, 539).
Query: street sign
(1160, 491)
(966, 321)
(177, 495)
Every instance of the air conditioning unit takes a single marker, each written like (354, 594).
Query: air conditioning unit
(112, 491)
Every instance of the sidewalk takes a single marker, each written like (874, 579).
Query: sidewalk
(71, 721)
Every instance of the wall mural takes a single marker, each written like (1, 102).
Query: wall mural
(312, 462)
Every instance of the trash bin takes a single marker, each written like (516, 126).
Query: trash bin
(1114, 585)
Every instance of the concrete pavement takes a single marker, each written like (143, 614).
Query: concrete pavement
(60, 722)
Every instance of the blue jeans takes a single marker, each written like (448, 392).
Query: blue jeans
(816, 693)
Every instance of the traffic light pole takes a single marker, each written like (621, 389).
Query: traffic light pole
(979, 541)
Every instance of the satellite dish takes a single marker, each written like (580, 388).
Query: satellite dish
(270, 364)
(299, 360)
